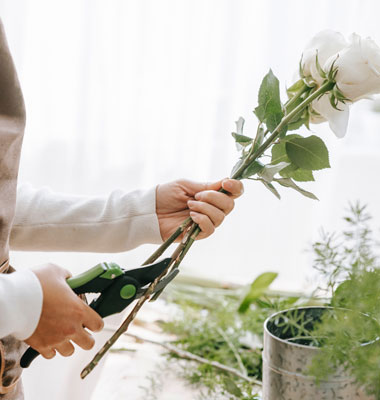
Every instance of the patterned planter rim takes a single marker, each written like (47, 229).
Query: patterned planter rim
(310, 347)
(285, 366)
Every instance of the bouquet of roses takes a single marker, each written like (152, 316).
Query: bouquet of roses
(333, 74)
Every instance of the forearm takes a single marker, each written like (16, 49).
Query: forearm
(48, 221)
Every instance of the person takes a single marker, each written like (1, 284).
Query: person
(37, 306)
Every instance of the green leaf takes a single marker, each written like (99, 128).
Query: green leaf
(298, 174)
(257, 289)
(237, 166)
(303, 120)
(279, 151)
(308, 153)
(259, 138)
(232, 388)
(269, 171)
(269, 109)
(271, 188)
(320, 70)
(252, 169)
(240, 125)
(295, 88)
(240, 139)
(287, 182)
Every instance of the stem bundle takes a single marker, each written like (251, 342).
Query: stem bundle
(192, 230)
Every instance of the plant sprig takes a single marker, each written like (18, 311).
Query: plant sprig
(304, 154)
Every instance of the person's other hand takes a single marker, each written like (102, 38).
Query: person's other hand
(64, 317)
(207, 207)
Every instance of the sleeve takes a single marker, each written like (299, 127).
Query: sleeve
(20, 304)
(49, 221)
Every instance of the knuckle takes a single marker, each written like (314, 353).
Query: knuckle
(68, 330)
(79, 311)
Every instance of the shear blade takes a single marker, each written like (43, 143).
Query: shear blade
(149, 273)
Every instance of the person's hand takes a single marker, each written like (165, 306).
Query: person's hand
(64, 316)
(175, 201)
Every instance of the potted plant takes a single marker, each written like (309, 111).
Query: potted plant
(331, 351)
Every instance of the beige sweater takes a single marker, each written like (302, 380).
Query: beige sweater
(48, 221)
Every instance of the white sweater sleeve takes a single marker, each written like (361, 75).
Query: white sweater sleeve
(20, 304)
(48, 221)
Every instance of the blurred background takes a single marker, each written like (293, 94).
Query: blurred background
(130, 93)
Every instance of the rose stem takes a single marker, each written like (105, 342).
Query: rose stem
(168, 242)
(253, 155)
(189, 239)
(124, 326)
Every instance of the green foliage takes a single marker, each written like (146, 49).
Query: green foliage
(287, 182)
(297, 174)
(240, 139)
(295, 88)
(349, 263)
(269, 110)
(292, 171)
(232, 388)
(254, 168)
(210, 326)
(294, 157)
(269, 171)
(257, 289)
(271, 188)
(308, 153)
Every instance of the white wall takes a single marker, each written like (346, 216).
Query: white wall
(133, 93)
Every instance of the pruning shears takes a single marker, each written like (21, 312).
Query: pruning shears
(117, 287)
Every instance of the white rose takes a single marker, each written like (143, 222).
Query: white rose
(358, 68)
(358, 77)
(338, 119)
(326, 43)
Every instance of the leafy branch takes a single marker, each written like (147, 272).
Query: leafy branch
(304, 154)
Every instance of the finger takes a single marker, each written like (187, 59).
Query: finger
(217, 199)
(84, 340)
(204, 222)
(48, 353)
(64, 273)
(191, 188)
(215, 214)
(65, 349)
(92, 319)
(234, 187)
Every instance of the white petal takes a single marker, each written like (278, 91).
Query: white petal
(338, 120)
(326, 43)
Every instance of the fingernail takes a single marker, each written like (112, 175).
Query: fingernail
(197, 196)
(190, 203)
(193, 214)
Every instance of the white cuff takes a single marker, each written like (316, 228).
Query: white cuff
(21, 304)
